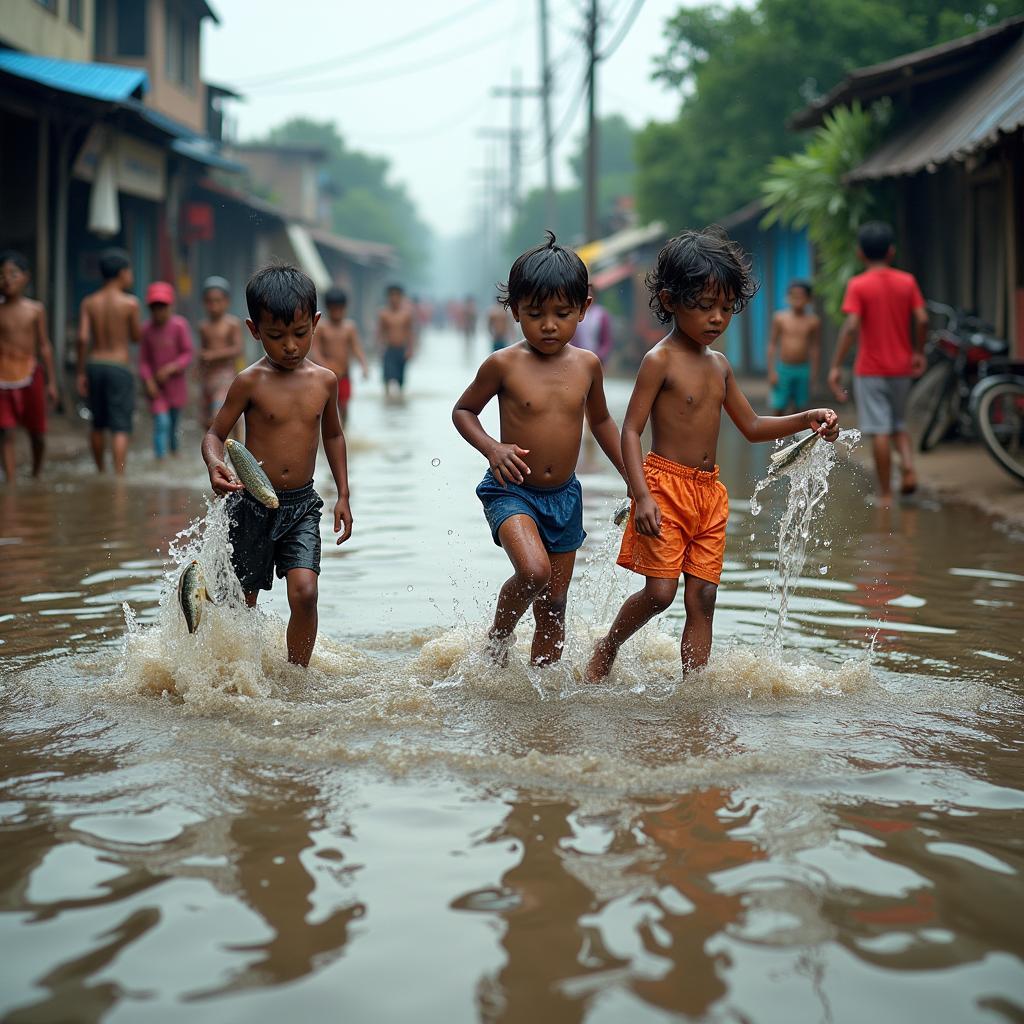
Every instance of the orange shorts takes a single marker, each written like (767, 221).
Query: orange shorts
(694, 509)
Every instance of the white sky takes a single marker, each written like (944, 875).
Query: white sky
(422, 103)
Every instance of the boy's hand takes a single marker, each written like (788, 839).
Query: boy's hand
(151, 389)
(82, 384)
(773, 376)
(918, 364)
(342, 516)
(222, 480)
(52, 395)
(824, 422)
(647, 518)
(506, 461)
(835, 385)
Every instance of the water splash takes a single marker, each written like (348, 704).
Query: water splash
(808, 486)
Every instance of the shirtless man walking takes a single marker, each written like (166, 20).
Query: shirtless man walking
(27, 377)
(396, 334)
(107, 325)
(336, 343)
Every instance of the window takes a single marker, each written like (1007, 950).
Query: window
(181, 45)
(75, 13)
(131, 28)
(50, 5)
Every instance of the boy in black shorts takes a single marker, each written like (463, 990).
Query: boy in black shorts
(286, 400)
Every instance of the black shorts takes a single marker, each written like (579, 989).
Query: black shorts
(394, 364)
(111, 396)
(264, 539)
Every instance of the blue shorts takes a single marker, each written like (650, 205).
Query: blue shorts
(557, 511)
(794, 386)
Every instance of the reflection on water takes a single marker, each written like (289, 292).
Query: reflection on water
(192, 826)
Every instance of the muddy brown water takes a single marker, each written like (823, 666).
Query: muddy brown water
(191, 829)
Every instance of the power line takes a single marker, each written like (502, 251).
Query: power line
(416, 34)
(623, 31)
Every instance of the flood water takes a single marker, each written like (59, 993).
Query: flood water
(192, 829)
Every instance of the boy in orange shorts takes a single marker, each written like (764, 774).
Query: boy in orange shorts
(677, 520)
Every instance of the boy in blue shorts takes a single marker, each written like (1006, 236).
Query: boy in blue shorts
(545, 388)
(794, 351)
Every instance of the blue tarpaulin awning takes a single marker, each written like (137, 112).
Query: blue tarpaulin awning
(112, 83)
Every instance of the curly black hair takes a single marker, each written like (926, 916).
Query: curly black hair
(695, 260)
(547, 270)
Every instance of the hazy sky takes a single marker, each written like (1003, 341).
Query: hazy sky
(422, 100)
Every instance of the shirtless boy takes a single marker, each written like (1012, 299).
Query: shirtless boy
(396, 334)
(794, 350)
(531, 497)
(498, 326)
(336, 343)
(108, 324)
(286, 401)
(220, 345)
(677, 521)
(27, 377)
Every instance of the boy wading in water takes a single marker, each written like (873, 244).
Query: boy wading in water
(396, 333)
(27, 376)
(677, 522)
(794, 351)
(286, 401)
(337, 344)
(220, 345)
(531, 497)
(108, 323)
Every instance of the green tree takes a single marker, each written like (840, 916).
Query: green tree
(743, 71)
(368, 206)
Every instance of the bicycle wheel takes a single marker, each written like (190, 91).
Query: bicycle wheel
(927, 398)
(1000, 416)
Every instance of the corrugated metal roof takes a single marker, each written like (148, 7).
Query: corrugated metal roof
(991, 106)
(111, 82)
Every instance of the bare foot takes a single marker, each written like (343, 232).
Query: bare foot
(908, 482)
(497, 649)
(601, 661)
(883, 501)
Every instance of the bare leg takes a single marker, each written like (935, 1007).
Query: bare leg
(908, 482)
(251, 598)
(883, 466)
(98, 443)
(9, 446)
(699, 597)
(636, 611)
(38, 452)
(549, 611)
(532, 572)
(302, 625)
(119, 449)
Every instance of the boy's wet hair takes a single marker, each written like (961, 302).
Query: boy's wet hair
(806, 285)
(875, 239)
(20, 260)
(336, 297)
(695, 261)
(279, 290)
(112, 262)
(395, 288)
(216, 284)
(545, 271)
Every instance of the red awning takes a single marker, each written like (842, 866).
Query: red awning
(611, 275)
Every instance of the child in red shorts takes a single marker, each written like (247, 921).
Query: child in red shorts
(680, 507)
(27, 377)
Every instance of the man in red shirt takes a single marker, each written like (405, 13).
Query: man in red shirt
(885, 308)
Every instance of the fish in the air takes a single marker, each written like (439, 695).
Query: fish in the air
(192, 595)
(251, 474)
(787, 456)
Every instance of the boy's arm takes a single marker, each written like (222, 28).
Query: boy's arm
(505, 460)
(649, 382)
(235, 403)
(134, 321)
(186, 348)
(847, 339)
(773, 342)
(771, 428)
(81, 345)
(918, 361)
(45, 350)
(814, 347)
(358, 352)
(602, 426)
(337, 459)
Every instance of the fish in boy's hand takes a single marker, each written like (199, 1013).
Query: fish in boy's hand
(788, 455)
(621, 513)
(192, 594)
(251, 474)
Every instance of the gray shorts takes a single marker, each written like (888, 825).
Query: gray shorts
(881, 403)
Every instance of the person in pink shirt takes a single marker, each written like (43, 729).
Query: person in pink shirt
(164, 355)
(595, 330)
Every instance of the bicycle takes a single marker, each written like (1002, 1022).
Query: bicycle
(997, 407)
(939, 403)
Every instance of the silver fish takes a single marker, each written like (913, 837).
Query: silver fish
(192, 595)
(788, 455)
(251, 474)
(621, 513)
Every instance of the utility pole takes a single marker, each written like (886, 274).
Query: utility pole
(550, 201)
(515, 93)
(590, 178)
